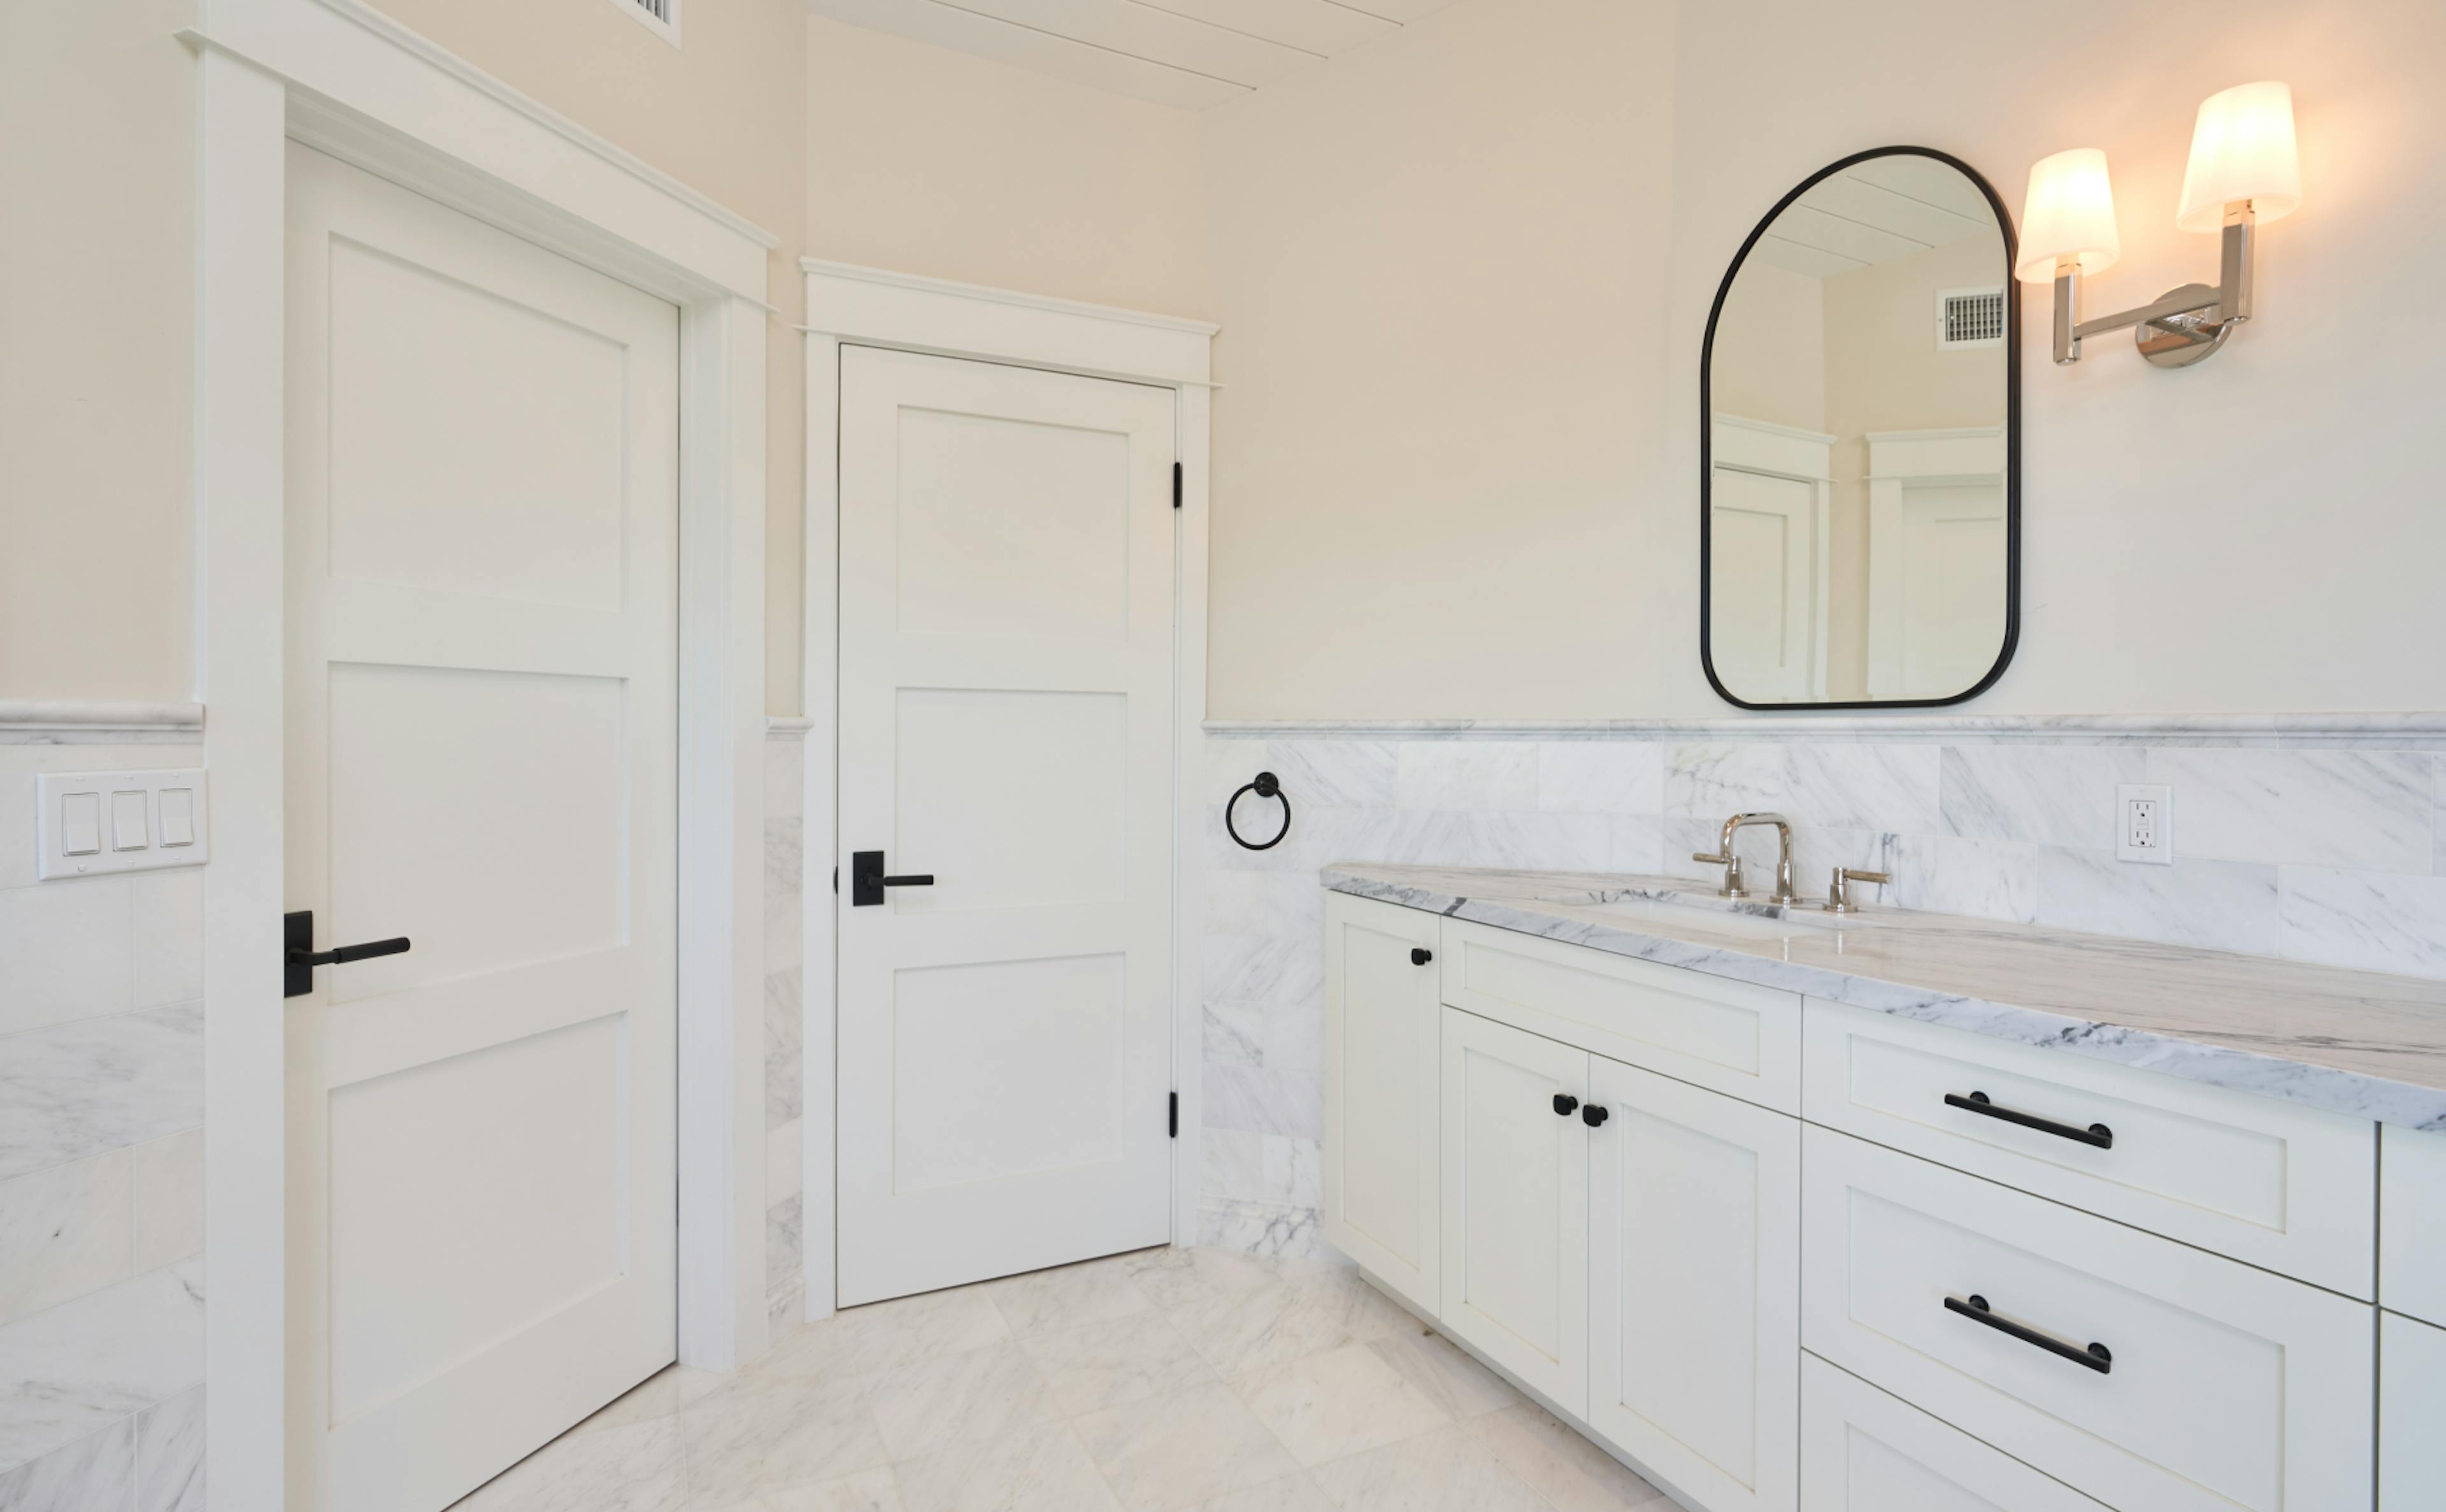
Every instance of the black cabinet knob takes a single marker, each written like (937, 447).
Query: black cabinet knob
(1563, 1103)
(1420, 957)
(1594, 1115)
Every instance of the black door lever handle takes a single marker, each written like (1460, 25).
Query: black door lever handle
(867, 881)
(299, 958)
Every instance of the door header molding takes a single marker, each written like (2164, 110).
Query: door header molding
(910, 312)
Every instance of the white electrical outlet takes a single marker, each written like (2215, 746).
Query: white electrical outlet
(2144, 823)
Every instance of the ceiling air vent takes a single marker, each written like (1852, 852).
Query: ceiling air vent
(661, 18)
(1970, 317)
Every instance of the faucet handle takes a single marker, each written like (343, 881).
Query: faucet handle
(1838, 893)
(1712, 859)
(1732, 865)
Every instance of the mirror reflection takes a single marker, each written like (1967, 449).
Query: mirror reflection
(1859, 485)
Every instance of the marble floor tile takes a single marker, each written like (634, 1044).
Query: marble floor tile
(1436, 1472)
(1175, 1452)
(1292, 1493)
(866, 1492)
(1116, 1362)
(661, 1395)
(642, 1467)
(983, 1394)
(1033, 1469)
(76, 1369)
(1568, 1470)
(763, 1432)
(880, 1335)
(1067, 1295)
(1272, 1325)
(1174, 1278)
(1444, 1374)
(1341, 1403)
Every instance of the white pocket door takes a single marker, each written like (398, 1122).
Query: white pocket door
(1516, 1202)
(1694, 1287)
(481, 630)
(1005, 1041)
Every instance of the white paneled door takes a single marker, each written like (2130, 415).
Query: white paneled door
(481, 645)
(1006, 645)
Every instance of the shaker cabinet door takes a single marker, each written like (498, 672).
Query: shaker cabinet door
(1694, 1287)
(1516, 1202)
(1380, 1090)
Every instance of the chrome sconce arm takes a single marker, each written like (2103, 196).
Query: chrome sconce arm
(2185, 325)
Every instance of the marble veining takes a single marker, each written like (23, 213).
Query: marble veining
(2352, 1042)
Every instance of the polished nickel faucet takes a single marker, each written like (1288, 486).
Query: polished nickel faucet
(1724, 857)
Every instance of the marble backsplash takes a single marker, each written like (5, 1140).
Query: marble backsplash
(101, 1110)
(785, 1033)
(2310, 851)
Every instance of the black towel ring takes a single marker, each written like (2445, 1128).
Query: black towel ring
(1266, 786)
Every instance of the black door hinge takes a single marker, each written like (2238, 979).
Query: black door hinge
(1175, 1115)
(1175, 485)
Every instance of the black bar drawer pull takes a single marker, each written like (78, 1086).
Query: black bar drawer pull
(867, 881)
(1974, 1307)
(2097, 1134)
(299, 958)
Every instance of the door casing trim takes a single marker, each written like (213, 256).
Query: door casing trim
(339, 77)
(869, 306)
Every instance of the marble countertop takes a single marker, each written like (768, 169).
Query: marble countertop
(2353, 1043)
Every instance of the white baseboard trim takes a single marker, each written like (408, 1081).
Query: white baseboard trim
(2417, 729)
(99, 721)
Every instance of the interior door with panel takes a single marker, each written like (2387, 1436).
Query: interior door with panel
(1694, 1287)
(481, 642)
(1516, 1202)
(1381, 1070)
(1006, 645)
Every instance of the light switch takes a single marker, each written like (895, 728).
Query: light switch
(94, 824)
(80, 824)
(127, 828)
(178, 816)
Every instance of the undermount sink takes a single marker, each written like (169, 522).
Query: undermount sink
(1752, 918)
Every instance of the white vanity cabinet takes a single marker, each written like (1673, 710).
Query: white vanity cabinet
(1758, 1248)
(1694, 1287)
(1516, 1202)
(1382, 1069)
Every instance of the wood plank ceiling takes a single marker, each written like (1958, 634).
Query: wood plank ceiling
(1875, 212)
(1190, 53)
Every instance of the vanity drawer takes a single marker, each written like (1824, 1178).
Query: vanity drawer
(1727, 1036)
(2224, 1386)
(2290, 1188)
(1862, 1451)
(2412, 1222)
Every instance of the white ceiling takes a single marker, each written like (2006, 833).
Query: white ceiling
(1875, 212)
(1191, 53)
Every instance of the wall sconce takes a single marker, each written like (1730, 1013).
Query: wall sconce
(2244, 172)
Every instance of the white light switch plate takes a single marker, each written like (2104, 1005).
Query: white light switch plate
(2144, 823)
(172, 805)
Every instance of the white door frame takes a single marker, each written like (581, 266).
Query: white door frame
(870, 306)
(1803, 457)
(1898, 461)
(341, 78)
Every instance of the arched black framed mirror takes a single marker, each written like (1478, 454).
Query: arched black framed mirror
(1860, 443)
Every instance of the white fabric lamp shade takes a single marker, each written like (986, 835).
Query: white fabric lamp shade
(2242, 148)
(2068, 212)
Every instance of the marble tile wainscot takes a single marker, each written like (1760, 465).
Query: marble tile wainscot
(2315, 838)
(784, 1021)
(102, 1083)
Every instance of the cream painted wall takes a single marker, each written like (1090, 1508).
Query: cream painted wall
(1452, 275)
(96, 308)
(930, 162)
(1435, 263)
